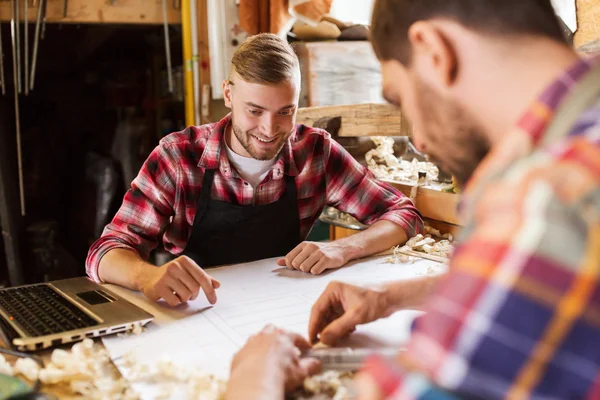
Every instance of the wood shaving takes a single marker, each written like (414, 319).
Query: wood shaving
(385, 165)
(86, 370)
(137, 330)
(433, 243)
(5, 367)
(330, 384)
(28, 368)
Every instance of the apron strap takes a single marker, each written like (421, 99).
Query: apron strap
(583, 96)
(207, 182)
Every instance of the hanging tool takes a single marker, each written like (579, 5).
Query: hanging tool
(2, 82)
(36, 42)
(43, 34)
(66, 6)
(18, 41)
(26, 48)
(167, 46)
(14, 22)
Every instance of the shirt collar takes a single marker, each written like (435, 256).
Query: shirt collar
(213, 157)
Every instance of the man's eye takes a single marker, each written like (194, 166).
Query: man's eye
(287, 112)
(255, 112)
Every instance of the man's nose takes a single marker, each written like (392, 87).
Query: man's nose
(269, 127)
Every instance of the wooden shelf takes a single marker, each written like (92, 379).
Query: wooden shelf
(99, 11)
(433, 203)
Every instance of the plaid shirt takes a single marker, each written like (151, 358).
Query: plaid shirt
(518, 314)
(162, 201)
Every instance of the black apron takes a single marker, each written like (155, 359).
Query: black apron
(224, 233)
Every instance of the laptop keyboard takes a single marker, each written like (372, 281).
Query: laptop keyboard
(40, 310)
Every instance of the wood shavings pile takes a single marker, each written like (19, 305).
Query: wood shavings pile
(168, 375)
(86, 370)
(427, 244)
(385, 165)
(328, 385)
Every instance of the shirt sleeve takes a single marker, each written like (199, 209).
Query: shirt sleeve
(514, 311)
(394, 384)
(146, 211)
(353, 189)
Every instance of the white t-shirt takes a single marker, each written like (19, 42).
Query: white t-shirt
(251, 169)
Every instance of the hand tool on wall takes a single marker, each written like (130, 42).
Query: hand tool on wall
(14, 40)
(36, 42)
(167, 46)
(65, 8)
(44, 10)
(2, 82)
(26, 46)
(18, 41)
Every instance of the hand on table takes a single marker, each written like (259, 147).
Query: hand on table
(315, 257)
(178, 281)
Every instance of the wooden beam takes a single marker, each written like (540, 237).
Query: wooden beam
(101, 11)
(360, 119)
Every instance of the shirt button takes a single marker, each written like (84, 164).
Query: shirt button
(246, 184)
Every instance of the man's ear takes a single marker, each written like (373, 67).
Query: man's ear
(433, 55)
(227, 93)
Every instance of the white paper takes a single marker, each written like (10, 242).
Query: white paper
(251, 296)
(567, 11)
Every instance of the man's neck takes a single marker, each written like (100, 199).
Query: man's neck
(508, 84)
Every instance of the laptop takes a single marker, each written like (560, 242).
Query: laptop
(39, 316)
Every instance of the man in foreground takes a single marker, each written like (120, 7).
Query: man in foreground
(497, 98)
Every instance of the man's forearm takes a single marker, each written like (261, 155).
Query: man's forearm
(382, 235)
(408, 293)
(122, 267)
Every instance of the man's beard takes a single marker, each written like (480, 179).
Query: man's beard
(244, 139)
(460, 151)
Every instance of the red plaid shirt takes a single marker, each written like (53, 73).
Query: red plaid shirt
(162, 201)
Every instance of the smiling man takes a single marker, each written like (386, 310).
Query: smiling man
(248, 187)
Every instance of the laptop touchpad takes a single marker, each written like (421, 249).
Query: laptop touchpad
(95, 297)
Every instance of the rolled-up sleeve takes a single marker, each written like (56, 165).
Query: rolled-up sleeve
(353, 189)
(145, 213)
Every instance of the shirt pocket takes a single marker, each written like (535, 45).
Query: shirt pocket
(311, 200)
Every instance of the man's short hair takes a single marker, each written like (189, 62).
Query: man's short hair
(265, 59)
(392, 19)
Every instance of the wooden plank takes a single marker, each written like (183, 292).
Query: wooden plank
(433, 203)
(101, 11)
(360, 119)
(588, 21)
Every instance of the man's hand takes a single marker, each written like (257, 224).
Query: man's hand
(269, 365)
(342, 307)
(177, 282)
(315, 257)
